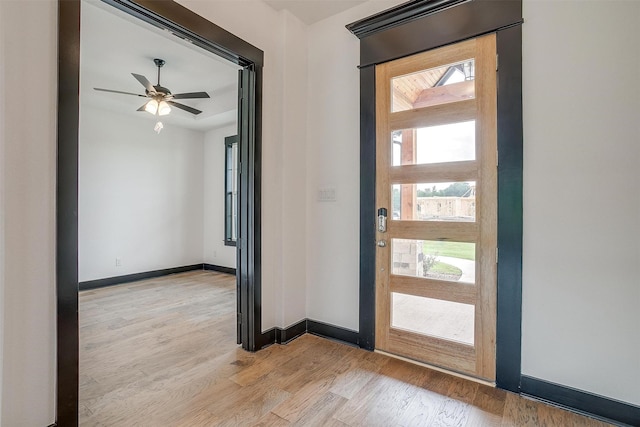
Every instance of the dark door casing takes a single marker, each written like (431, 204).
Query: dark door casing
(418, 26)
(182, 22)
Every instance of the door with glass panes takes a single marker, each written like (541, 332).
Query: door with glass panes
(436, 177)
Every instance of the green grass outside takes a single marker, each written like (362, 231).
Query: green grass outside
(453, 249)
(443, 268)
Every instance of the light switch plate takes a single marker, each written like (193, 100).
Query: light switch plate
(327, 194)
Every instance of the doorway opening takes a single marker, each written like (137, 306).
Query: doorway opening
(156, 274)
(178, 21)
(409, 29)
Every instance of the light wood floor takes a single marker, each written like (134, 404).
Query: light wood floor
(162, 352)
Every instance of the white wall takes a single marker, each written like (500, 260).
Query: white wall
(581, 284)
(283, 41)
(215, 252)
(291, 304)
(140, 195)
(333, 161)
(576, 331)
(581, 257)
(28, 135)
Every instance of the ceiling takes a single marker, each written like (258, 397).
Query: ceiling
(312, 11)
(114, 45)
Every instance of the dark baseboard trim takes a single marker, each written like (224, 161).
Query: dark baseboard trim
(267, 338)
(336, 333)
(324, 330)
(283, 336)
(221, 269)
(583, 402)
(110, 281)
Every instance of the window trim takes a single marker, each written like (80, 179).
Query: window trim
(229, 141)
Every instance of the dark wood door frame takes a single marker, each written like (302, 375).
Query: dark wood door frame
(416, 27)
(182, 22)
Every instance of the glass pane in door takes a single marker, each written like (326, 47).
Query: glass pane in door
(448, 201)
(432, 259)
(427, 316)
(436, 159)
(441, 85)
(454, 142)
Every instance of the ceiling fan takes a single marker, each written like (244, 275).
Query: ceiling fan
(161, 97)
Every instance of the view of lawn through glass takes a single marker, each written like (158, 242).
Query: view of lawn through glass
(439, 260)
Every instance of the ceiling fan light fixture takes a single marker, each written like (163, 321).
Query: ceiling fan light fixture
(160, 97)
(151, 107)
(163, 108)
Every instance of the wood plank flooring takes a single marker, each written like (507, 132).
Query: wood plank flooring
(162, 352)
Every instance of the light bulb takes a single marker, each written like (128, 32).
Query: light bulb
(163, 108)
(151, 107)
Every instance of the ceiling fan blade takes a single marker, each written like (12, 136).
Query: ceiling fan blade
(184, 107)
(143, 106)
(119, 91)
(146, 83)
(191, 95)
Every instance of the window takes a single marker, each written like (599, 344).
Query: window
(230, 190)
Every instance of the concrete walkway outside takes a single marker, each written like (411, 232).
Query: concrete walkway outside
(467, 266)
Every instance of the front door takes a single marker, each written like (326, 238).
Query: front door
(436, 180)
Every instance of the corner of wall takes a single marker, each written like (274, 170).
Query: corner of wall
(214, 250)
(332, 162)
(292, 298)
